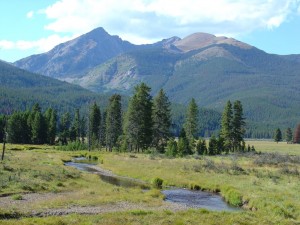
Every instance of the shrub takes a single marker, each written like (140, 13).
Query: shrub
(73, 146)
(233, 196)
(195, 187)
(17, 197)
(157, 182)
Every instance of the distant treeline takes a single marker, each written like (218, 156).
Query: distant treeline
(147, 123)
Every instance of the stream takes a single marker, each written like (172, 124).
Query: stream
(189, 198)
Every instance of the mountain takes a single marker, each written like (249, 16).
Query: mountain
(211, 69)
(74, 57)
(21, 89)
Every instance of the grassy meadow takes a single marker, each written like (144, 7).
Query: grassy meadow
(266, 185)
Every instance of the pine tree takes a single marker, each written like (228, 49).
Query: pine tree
(64, 127)
(76, 125)
(278, 135)
(226, 127)
(288, 135)
(18, 129)
(38, 129)
(161, 121)
(2, 127)
(51, 123)
(171, 148)
(297, 135)
(95, 124)
(212, 146)
(113, 121)
(201, 147)
(183, 146)
(138, 120)
(82, 124)
(192, 121)
(238, 126)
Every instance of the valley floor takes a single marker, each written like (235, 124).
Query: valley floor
(36, 187)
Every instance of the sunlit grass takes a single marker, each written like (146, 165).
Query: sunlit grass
(270, 189)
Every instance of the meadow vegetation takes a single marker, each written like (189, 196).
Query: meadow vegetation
(265, 184)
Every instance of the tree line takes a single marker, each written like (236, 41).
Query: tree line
(288, 136)
(145, 125)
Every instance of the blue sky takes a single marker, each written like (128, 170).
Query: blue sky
(34, 26)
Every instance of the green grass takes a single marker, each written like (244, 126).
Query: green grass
(272, 146)
(267, 184)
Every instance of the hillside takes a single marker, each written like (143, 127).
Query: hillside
(21, 89)
(74, 57)
(211, 69)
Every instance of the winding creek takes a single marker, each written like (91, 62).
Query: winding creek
(189, 198)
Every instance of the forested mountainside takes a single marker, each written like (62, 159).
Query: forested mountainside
(202, 66)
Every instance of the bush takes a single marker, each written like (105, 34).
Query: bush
(157, 182)
(17, 197)
(233, 197)
(73, 146)
(195, 187)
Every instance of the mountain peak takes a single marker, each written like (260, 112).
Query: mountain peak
(201, 40)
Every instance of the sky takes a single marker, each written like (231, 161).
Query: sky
(35, 26)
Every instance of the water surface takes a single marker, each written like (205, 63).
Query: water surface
(192, 199)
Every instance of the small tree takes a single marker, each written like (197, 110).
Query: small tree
(192, 120)
(201, 147)
(288, 135)
(161, 120)
(212, 146)
(113, 121)
(171, 148)
(238, 126)
(95, 124)
(278, 135)
(226, 127)
(183, 144)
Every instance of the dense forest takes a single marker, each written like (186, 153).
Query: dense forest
(146, 124)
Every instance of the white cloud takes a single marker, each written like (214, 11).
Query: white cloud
(29, 15)
(41, 45)
(4, 44)
(155, 19)
(147, 21)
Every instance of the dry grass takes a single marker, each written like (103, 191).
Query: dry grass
(270, 189)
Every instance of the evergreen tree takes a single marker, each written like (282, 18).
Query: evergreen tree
(201, 147)
(226, 127)
(2, 126)
(171, 148)
(212, 146)
(161, 120)
(64, 128)
(82, 125)
(238, 126)
(297, 135)
(51, 123)
(113, 121)
(38, 129)
(220, 146)
(288, 135)
(95, 124)
(183, 146)
(278, 135)
(192, 120)
(18, 129)
(103, 129)
(138, 120)
(76, 125)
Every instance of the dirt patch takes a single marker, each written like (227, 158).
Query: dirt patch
(22, 206)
